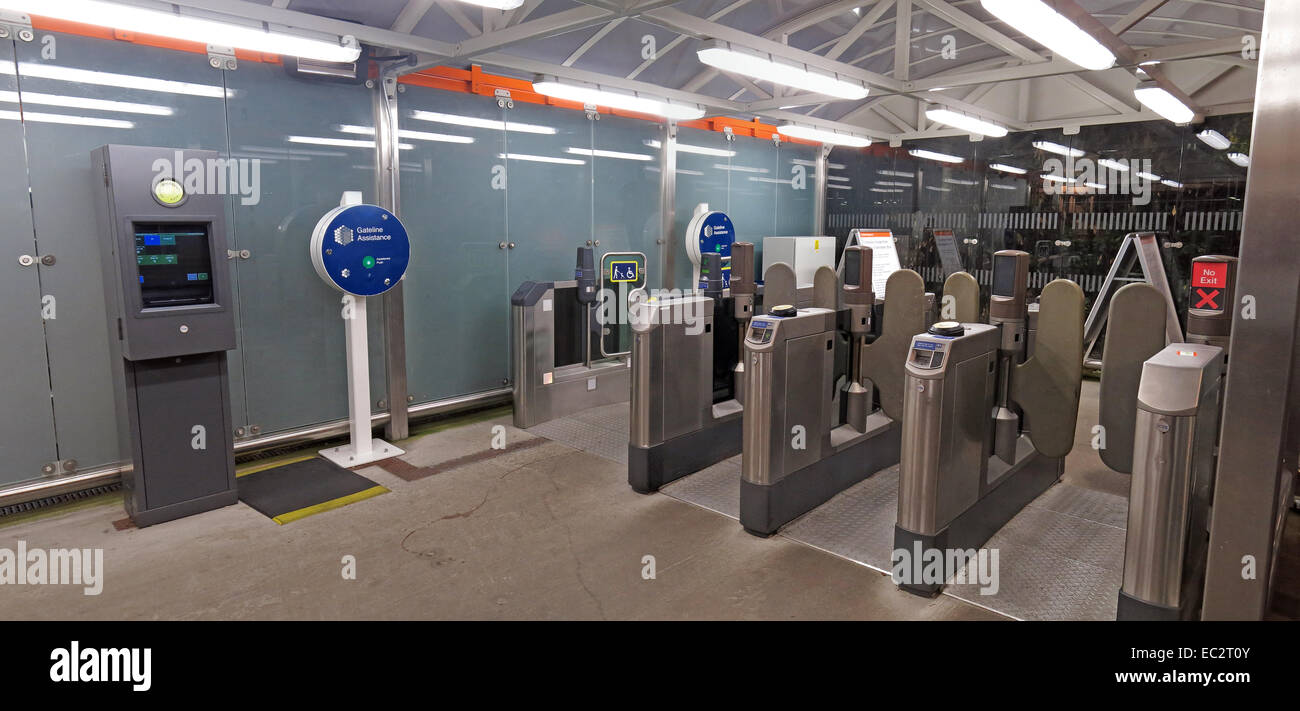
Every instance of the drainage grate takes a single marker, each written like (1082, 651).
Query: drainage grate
(67, 498)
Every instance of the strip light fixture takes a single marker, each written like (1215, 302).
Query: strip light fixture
(766, 67)
(340, 142)
(1149, 176)
(1059, 149)
(541, 159)
(1240, 159)
(835, 138)
(1113, 164)
(77, 102)
(1158, 99)
(475, 122)
(590, 94)
(65, 119)
(934, 155)
(688, 148)
(1008, 168)
(598, 153)
(122, 81)
(326, 48)
(1214, 139)
(1052, 177)
(1052, 30)
(964, 122)
(1171, 183)
(496, 4)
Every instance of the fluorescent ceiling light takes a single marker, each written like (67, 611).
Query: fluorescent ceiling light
(896, 173)
(1052, 30)
(586, 94)
(938, 189)
(886, 190)
(765, 67)
(1095, 186)
(838, 178)
(932, 155)
(598, 153)
(697, 150)
(541, 159)
(956, 181)
(61, 118)
(1171, 183)
(1214, 139)
(1003, 187)
(123, 81)
(496, 4)
(118, 16)
(343, 142)
(473, 122)
(413, 135)
(740, 168)
(1240, 159)
(808, 133)
(1149, 176)
(893, 183)
(1059, 149)
(1058, 178)
(1008, 168)
(77, 102)
(840, 187)
(1156, 98)
(966, 123)
(1113, 165)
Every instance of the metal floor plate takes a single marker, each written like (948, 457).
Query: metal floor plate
(716, 488)
(1061, 558)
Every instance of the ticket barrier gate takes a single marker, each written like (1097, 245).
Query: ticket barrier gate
(561, 364)
(1161, 408)
(687, 374)
(968, 462)
(798, 449)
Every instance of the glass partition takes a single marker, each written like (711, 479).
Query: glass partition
(454, 207)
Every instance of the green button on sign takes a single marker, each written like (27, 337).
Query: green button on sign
(368, 262)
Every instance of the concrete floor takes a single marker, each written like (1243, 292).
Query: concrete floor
(544, 532)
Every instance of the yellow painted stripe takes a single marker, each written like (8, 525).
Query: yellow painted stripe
(330, 505)
(278, 463)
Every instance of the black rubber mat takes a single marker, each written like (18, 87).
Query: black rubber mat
(300, 489)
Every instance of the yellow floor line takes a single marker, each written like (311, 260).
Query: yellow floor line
(329, 505)
(273, 465)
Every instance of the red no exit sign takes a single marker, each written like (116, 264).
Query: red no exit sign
(1210, 274)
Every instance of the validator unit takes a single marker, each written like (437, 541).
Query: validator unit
(170, 323)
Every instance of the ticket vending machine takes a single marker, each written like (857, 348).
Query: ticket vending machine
(170, 322)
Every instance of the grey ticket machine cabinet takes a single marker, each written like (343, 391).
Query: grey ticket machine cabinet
(967, 463)
(558, 367)
(1169, 495)
(170, 322)
(686, 403)
(797, 453)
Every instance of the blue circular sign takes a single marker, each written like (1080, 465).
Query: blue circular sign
(361, 249)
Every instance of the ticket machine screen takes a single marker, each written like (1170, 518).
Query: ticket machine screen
(174, 261)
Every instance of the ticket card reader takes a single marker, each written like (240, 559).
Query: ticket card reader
(170, 323)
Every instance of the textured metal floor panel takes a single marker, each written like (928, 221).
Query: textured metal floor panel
(615, 417)
(579, 434)
(857, 524)
(716, 488)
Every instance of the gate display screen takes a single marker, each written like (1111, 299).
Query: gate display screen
(1004, 276)
(174, 262)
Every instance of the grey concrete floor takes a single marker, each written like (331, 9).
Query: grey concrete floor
(547, 532)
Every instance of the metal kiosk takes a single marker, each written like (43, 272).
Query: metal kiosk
(170, 322)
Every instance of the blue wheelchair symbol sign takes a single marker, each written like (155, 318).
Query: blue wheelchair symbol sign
(623, 272)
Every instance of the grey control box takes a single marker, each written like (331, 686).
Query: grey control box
(163, 249)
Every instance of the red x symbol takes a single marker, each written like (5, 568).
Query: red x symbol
(1208, 298)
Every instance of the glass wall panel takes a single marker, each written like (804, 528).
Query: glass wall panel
(454, 208)
(313, 141)
(796, 193)
(60, 138)
(26, 419)
(625, 199)
(703, 159)
(549, 191)
(751, 190)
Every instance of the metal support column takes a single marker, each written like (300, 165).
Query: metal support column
(668, 205)
(819, 200)
(1253, 471)
(387, 192)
